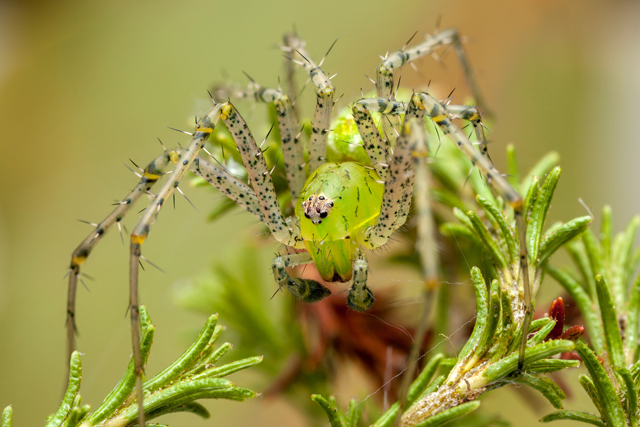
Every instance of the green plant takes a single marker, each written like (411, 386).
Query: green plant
(191, 377)
(609, 300)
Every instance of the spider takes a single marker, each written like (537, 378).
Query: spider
(341, 209)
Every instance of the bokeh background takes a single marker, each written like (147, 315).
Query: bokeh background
(86, 85)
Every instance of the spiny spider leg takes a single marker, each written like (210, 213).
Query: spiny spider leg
(306, 290)
(229, 185)
(284, 231)
(395, 60)
(472, 115)
(232, 187)
(204, 128)
(422, 102)
(151, 174)
(324, 101)
(438, 113)
(287, 123)
(359, 294)
(290, 73)
(372, 141)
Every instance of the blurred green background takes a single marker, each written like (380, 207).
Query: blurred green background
(86, 85)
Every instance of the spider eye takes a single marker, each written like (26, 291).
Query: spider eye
(310, 197)
(321, 198)
(323, 214)
(306, 215)
(330, 204)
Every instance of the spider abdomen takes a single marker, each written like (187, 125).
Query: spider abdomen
(337, 204)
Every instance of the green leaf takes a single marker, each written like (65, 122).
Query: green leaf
(123, 389)
(7, 417)
(513, 173)
(184, 392)
(193, 408)
(539, 213)
(489, 242)
(578, 253)
(509, 364)
(75, 376)
(228, 368)
(584, 417)
(330, 410)
(633, 317)
(610, 322)
(548, 388)
(504, 228)
(543, 167)
(450, 414)
(76, 415)
(631, 396)
(545, 366)
(531, 197)
(593, 251)
(605, 234)
(354, 414)
(619, 265)
(422, 382)
(482, 311)
(186, 360)
(562, 235)
(590, 389)
(539, 336)
(612, 410)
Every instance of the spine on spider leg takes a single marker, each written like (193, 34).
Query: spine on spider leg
(204, 128)
(324, 104)
(150, 176)
(260, 178)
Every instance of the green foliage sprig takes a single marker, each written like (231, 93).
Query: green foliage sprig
(191, 377)
(609, 301)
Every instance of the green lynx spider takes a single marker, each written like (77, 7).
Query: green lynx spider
(341, 209)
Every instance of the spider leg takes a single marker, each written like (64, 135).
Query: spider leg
(290, 71)
(324, 102)
(204, 128)
(420, 103)
(360, 297)
(438, 113)
(283, 230)
(397, 59)
(471, 114)
(150, 175)
(291, 147)
(373, 143)
(229, 185)
(306, 290)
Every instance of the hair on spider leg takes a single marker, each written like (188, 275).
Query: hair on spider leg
(326, 54)
(132, 171)
(142, 257)
(181, 131)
